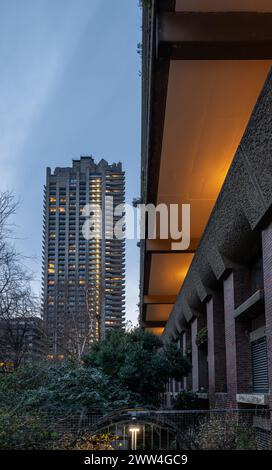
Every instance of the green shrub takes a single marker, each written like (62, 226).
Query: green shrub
(186, 400)
(225, 433)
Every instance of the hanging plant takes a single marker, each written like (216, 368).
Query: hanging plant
(202, 336)
(145, 3)
(188, 352)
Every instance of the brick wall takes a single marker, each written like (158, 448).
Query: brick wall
(188, 342)
(195, 378)
(202, 355)
(238, 356)
(221, 401)
(231, 369)
(216, 346)
(244, 366)
(267, 273)
(183, 348)
(199, 356)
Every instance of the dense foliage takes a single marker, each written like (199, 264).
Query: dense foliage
(127, 369)
(60, 388)
(140, 362)
(187, 400)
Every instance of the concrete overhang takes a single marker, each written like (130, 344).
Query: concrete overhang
(159, 299)
(222, 5)
(195, 112)
(214, 35)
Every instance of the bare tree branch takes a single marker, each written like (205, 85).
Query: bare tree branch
(17, 303)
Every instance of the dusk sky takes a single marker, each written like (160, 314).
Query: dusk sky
(69, 86)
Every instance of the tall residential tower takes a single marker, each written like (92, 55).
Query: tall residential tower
(83, 277)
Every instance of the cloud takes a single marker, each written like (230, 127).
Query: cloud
(32, 63)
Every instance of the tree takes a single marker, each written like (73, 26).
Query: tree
(61, 389)
(17, 303)
(8, 256)
(140, 361)
(42, 402)
(77, 329)
(18, 310)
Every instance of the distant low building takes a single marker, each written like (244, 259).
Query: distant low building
(22, 340)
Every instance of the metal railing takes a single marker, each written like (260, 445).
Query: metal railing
(157, 429)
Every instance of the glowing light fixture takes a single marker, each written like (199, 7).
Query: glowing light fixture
(134, 431)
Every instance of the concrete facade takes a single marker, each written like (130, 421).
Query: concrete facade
(233, 261)
(231, 272)
(227, 286)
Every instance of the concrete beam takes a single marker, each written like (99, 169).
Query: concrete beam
(164, 246)
(230, 35)
(154, 324)
(159, 299)
(166, 5)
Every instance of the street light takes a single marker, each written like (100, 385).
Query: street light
(134, 431)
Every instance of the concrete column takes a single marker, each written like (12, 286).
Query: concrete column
(188, 344)
(183, 347)
(199, 357)
(168, 395)
(195, 375)
(216, 347)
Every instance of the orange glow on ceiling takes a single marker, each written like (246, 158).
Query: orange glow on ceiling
(168, 272)
(158, 312)
(155, 330)
(208, 106)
